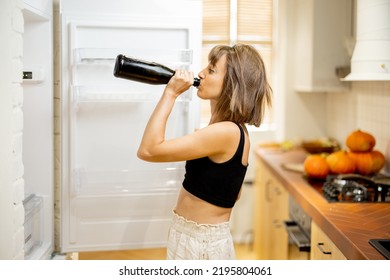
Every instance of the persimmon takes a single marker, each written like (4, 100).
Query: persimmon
(340, 163)
(368, 162)
(360, 141)
(315, 166)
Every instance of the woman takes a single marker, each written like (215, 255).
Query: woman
(216, 156)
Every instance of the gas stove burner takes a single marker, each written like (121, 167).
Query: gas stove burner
(356, 188)
(343, 190)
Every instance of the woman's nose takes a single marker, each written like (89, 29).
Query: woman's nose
(201, 74)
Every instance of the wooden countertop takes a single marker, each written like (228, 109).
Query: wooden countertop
(348, 225)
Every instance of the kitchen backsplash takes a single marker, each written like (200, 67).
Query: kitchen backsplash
(365, 106)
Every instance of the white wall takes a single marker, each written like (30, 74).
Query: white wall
(298, 115)
(365, 106)
(11, 131)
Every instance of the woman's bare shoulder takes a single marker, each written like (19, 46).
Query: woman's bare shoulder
(224, 126)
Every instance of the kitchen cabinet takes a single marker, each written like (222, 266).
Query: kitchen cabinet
(270, 212)
(322, 35)
(350, 238)
(322, 248)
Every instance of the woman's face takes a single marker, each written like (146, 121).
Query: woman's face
(211, 80)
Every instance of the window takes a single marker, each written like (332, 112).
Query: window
(237, 21)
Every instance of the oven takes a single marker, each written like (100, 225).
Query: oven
(298, 228)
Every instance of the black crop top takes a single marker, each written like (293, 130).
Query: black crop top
(217, 183)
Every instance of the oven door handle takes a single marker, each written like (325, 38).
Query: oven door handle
(297, 236)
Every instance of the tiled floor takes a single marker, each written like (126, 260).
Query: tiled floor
(243, 252)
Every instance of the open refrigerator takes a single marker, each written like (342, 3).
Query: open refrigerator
(111, 200)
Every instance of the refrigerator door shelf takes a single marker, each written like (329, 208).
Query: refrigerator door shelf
(127, 182)
(87, 56)
(33, 224)
(107, 94)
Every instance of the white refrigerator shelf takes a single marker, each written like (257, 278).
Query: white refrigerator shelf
(127, 182)
(86, 56)
(83, 94)
(33, 224)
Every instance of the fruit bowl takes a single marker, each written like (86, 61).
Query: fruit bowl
(320, 146)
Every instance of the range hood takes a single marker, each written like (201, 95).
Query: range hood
(371, 55)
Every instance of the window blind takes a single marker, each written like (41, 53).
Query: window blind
(253, 24)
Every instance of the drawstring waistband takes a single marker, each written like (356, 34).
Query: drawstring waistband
(206, 231)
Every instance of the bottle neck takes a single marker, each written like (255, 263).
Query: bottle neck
(196, 82)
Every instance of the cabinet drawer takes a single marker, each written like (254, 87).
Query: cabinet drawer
(322, 248)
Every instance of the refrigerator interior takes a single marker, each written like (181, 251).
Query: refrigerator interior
(38, 129)
(111, 200)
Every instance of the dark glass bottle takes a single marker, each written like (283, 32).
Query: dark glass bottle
(144, 71)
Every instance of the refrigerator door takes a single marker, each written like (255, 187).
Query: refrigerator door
(110, 199)
(36, 141)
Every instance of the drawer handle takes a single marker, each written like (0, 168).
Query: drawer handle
(298, 237)
(319, 246)
(268, 185)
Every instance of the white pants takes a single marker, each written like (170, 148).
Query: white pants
(188, 240)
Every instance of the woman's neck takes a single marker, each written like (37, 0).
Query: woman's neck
(214, 117)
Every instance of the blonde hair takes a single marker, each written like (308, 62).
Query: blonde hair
(245, 91)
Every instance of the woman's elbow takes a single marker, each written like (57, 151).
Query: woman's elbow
(146, 155)
(143, 154)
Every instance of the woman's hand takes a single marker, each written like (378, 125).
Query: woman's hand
(180, 82)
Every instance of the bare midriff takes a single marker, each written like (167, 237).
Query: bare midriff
(197, 210)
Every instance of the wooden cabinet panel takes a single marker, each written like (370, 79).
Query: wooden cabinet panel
(322, 248)
(270, 212)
